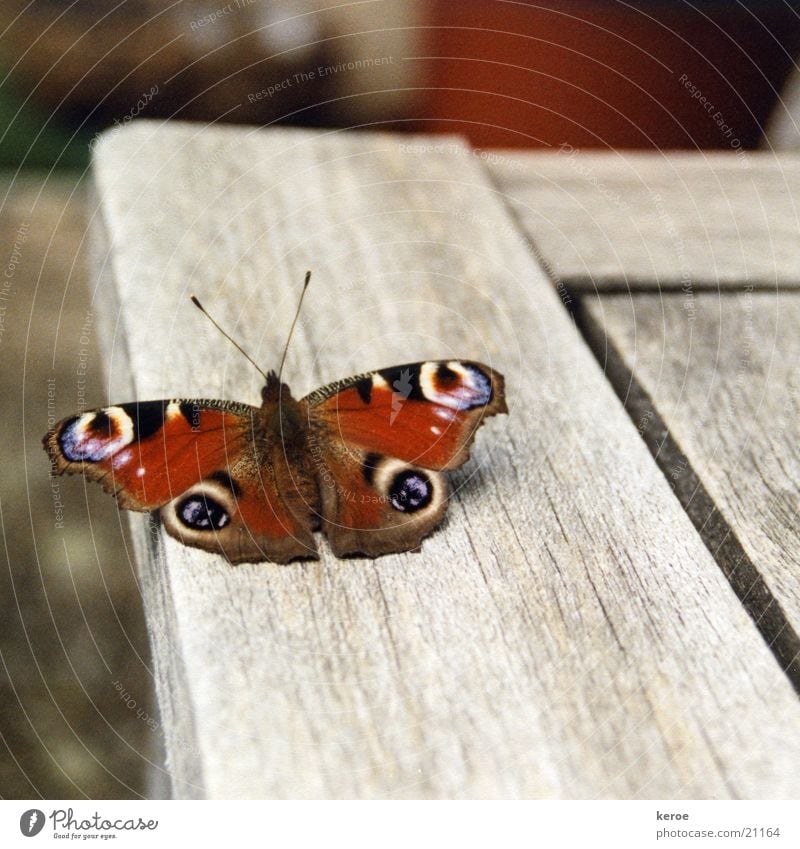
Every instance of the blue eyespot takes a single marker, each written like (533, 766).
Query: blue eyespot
(202, 513)
(410, 491)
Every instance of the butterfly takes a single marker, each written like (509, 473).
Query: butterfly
(361, 459)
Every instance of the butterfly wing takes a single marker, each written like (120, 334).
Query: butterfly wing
(424, 413)
(218, 482)
(380, 441)
(367, 463)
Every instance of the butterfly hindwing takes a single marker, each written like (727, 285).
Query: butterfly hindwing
(251, 515)
(373, 504)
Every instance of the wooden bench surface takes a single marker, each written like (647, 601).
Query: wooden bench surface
(674, 221)
(566, 634)
(726, 385)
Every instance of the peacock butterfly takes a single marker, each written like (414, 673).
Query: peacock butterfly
(361, 459)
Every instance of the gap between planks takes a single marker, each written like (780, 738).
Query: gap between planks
(717, 534)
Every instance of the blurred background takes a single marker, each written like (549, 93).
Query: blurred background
(76, 708)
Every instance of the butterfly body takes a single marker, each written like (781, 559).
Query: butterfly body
(360, 459)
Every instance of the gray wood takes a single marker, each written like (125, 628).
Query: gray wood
(685, 221)
(727, 385)
(566, 634)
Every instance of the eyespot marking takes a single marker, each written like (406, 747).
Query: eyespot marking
(200, 512)
(459, 386)
(99, 422)
(227, 481)
(444, 374)
(410, 490)
(91, 437)
(121, 458)
(369, 466)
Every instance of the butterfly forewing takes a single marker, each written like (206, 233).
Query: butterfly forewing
(425, 413)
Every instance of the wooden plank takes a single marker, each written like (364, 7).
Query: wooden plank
(683, 221)
(726, 385)
(565, 635)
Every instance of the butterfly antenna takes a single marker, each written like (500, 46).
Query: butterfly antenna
(291, 329)
(227, 336)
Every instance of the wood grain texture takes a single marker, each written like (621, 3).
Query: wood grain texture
(566, 634)
(726, 383)
(684, 221)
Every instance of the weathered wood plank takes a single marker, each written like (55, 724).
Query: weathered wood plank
(687, 221)
(566, 634)
(725, 381)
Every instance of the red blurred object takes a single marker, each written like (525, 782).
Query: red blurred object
(606, 74)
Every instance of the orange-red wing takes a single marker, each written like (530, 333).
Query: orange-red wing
(422, 413)
(378, 505)
(149, 453)
(201, 463)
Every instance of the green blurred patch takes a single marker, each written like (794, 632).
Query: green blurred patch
(30, 139)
